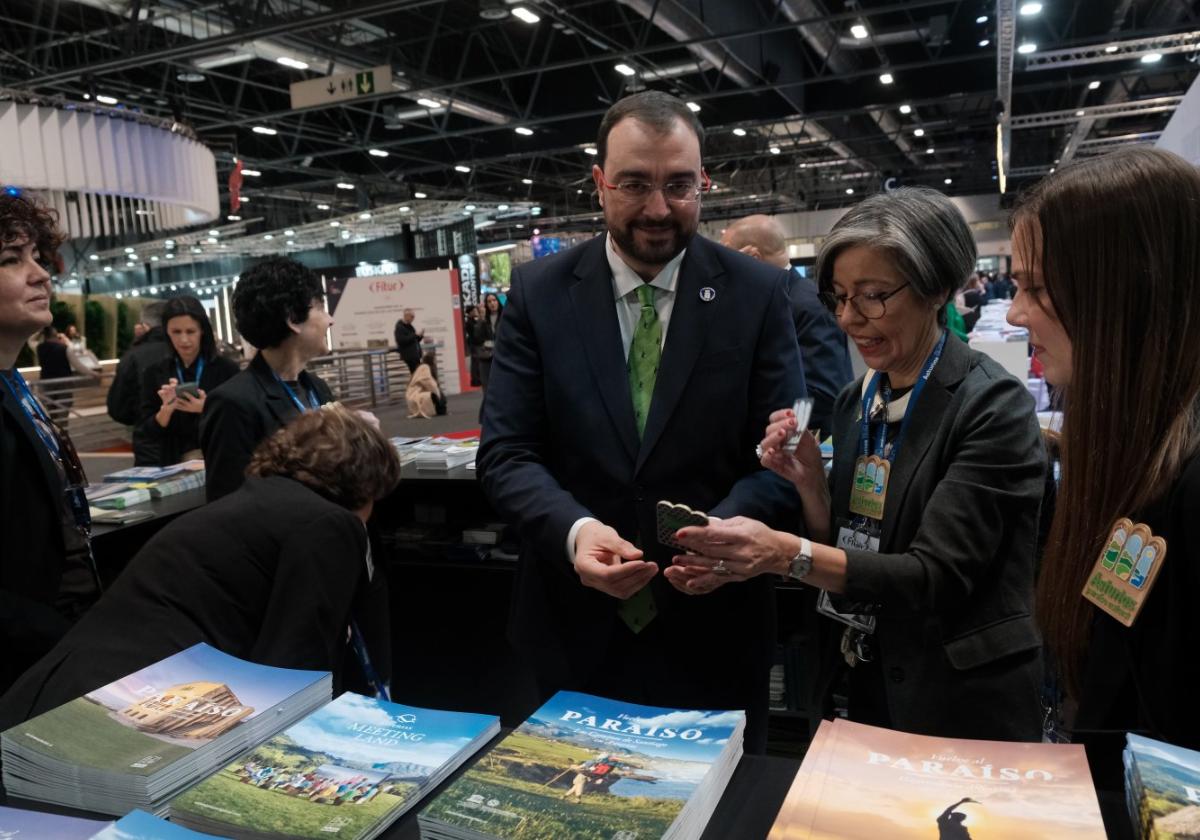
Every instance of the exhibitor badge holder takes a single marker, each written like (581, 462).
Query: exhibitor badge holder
(1126, 571)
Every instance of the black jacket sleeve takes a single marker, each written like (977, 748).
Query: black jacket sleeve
(229, 432)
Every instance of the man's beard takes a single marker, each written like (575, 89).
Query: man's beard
(652, 254)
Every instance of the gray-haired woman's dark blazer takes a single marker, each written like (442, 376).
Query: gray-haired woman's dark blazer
(954, 579)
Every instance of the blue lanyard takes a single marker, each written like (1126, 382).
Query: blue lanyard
(886, 396)
(199, 369)
(33, 410)
(313, 402)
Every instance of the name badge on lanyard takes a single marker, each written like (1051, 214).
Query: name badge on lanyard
(868, 490)
(313, 402)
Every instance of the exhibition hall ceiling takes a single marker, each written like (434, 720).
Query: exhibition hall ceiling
(809, 104)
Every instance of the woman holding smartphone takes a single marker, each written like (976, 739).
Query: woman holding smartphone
(174, 388)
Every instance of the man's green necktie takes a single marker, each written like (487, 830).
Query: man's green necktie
(644, 354)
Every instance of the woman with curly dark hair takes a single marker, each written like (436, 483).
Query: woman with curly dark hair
(279, 308)
(175, 388)
(46, 573)
(278, 573)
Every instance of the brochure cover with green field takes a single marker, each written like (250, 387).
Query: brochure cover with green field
(587, 767)
(1164, 789)
(353, 765)
(143, 722)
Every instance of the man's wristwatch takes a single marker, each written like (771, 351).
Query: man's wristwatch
(800, 565)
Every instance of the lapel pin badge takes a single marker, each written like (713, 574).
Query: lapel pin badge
(708, 293)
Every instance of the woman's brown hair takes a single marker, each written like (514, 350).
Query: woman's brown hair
(25, 217)
(333, 451)
(1117, 239)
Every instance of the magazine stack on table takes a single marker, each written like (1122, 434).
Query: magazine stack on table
(1162, 786)
(139, 741)
(348, 770)
(138, 825)
(865, 783)
(441, 453)
(587, 767)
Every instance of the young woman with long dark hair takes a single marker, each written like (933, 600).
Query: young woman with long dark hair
(1106, 259)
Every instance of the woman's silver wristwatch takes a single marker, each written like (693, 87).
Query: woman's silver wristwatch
(800, 565)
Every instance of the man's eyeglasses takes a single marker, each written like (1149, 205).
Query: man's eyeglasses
(870, 305)
(635, 191)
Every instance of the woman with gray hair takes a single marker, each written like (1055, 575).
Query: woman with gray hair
(924, 534)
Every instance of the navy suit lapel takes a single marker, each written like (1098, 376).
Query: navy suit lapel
(596, 320)
(691, 320)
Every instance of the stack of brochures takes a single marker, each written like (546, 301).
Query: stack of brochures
(404, 447)
(587, 767)
(866, 783)
(348, 770)
(1162, 786)
(139, 741)
(442, 453)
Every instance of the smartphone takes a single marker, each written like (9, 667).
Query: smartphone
(188, 389)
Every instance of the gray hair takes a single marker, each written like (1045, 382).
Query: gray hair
(922, 230)
(152, 314)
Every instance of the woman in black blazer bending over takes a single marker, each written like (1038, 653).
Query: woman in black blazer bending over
(279, 307)
(1107, 264)
(174, 388)
(924, 537)
(277, 573)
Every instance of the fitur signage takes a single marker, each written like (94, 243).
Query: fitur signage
(341, 87)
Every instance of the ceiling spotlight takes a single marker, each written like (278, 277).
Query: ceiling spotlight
(981, 19)
(929, 151)
(129, 250)
(364, 216)
(106, 100)
(170, 256)
(948, 181)
(420, 195)
(233, 218)
(774, 150)
(196, 249)
(268, 236)
(1080, 112)
(886, 78)
(189, 77)
(985, 42)
(1027, 48)
(591, 150)
(405, 209)
(93, 257)
(108, 268)
(1111, 49)
(345, 234)
(906, 109)
(429, 103)
(295, 64)
(377, 152)
(521, 13)
(466, 212)
(170, 243)
(469, 207)
(289, 232)
(343, 185)
(210, 241)
(502, 207)
(462, 168)
(523, 131)
(849, 190)
(739, 132)
(527, 181)
(262, 129)
(918, 132)
(858, 31)
(129, 265)
(245, 199)
(1030, 9)
(191, 285)
(1094, 85)
(693, 107)
(335, 223)
(322, 206)
(536, 211)
(154, 259)
(624, 69)
(1151, 58)
(154, 290)
(214, 232)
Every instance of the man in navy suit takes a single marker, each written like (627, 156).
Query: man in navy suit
(637, 367)
(823, 345)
